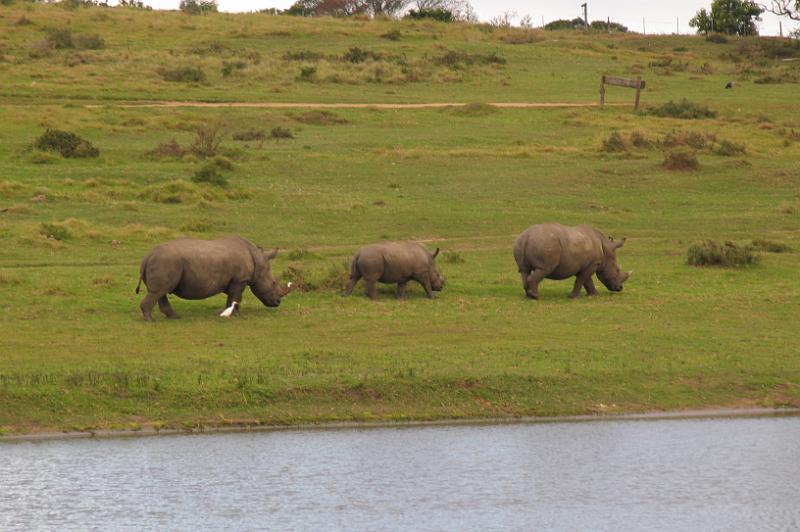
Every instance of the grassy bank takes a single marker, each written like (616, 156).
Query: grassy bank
(75, 353)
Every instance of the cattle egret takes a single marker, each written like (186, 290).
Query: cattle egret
(228, 311)
(289, 285)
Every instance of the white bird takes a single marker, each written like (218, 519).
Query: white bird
(228, 311)
(289, 285)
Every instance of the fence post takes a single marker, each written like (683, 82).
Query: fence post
(638, 90)
(602, 91)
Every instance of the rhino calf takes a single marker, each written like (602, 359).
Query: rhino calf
(395, 262)
(555, 251)
(198, 269)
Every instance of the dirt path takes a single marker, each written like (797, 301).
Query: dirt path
(301, 105)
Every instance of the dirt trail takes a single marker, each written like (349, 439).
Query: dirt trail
(301, 105)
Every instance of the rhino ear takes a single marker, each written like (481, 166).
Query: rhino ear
(435, 253)
(619, 244)
(271, 255)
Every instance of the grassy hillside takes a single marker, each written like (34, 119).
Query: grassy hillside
(74, 352)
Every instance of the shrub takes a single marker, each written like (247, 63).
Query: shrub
(183, 74)
(442, 15)
(24, 21)
(683, 109)
(249, 135)
(769, 246)
(168, 149)
(614, 143)
(303, 55)
(55, 231)
(209, 173)
(60, 39)
(729, 149)
(229, 66)
(195, 7)
(207, 140)
(717, 38)
(710, 253)
(640, 141)
(455, 59)
(680, 160)
(357, 55)
(308, 73)
(281, 133)
(564, 24)
(603, 25)
(393, 35)
(90, 42)
(65, 143)
(674, 139)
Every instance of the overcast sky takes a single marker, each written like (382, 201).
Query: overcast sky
(654, 16)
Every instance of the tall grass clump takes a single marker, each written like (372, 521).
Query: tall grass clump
(769, 246)
(67, 144)
(682, 109)
(680, 159)
(710, 253)
(184, 74)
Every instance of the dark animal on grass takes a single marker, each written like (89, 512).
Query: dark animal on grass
(555, 251)
(198, 269)
(395, 262)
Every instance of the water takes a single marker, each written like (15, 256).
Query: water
(709, 474)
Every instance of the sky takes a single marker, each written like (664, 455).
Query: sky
(651, 16)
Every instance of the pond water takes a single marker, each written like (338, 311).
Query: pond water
(688, 474)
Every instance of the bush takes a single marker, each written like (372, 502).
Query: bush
(168, 149)
(769, 246)
(320, 118)
(442, 15)
(249, 135)
(308, 73)
(281, 133)
(90, 42)
(729, 149)
(24, 21)
(675, 139)
(229, 66)
(303, 55)
(564, 24)
(55, 231)
(709, 253)
(393, 35)
(195, 7)
(207, 140)
(602, 25)
(209, 173)
(60, 39)
(717, 38)
(614, 143)
(681, 160)
(683, 109)
(455, 59)
(640, 141)
(183, 74)
(65, 143)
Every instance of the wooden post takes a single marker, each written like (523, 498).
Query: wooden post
(638, 91)
(602, 91)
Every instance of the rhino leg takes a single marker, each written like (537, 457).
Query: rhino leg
(147, 305)
(166, 308)
(401, 290)
(533, 280)
(234, 294)
(425, 281)
(369, 288)
(583, 280)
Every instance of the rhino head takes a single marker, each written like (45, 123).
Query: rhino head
(437, 279)
(609, 272)
(264, 286)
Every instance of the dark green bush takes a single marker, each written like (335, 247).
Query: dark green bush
(710, 253)
(183, 74)
(682, 109)
(209, 173)
(249, 135)
(308, 73)
(564, 24)
(55, 231)
(229, 66)
(167, 149)
(67, 144)
(60, 39)
(195, 7)
(614, 143)
(303, 55)
(281, 133)
(393, 35)
(717, 38)
(442, 15)
(769, 246)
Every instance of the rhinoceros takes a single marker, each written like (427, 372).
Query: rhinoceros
(198, 269)
(395, 262)
(555, 251)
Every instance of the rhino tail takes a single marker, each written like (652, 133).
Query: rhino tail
(139, 285)
(141, 274)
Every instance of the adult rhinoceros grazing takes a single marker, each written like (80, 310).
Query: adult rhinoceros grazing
(197, 269)
(555, 251)
(395, 262)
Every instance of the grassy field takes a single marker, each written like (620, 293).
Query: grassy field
(75, 354)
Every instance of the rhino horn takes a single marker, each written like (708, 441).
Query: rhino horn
(271, 255)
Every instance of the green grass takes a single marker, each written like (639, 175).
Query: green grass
(74, 352)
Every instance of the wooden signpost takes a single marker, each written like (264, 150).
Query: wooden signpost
(637, 84)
